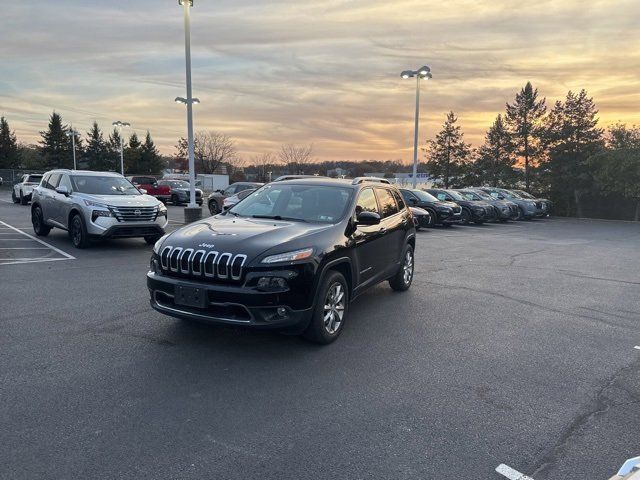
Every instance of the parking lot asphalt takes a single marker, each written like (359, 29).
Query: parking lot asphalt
(514, 345)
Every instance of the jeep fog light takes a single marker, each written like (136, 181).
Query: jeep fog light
(271, 284)
(282, 311)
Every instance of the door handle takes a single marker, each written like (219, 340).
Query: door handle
(382, 230)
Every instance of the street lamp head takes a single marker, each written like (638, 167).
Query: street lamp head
(182, 2)
(180, 100)
(406, 74)
(424, 71)
(195, 100)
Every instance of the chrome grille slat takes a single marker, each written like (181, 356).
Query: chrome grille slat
(212, 265)
(128, 214)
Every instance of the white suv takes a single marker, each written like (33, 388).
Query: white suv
(95, 205)
(21, 191)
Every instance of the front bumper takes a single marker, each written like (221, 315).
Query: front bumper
(445, 218)
(227, 304)
(110, 227)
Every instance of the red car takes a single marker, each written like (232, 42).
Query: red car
(150, 184)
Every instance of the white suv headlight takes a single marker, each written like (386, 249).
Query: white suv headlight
(91, 203)
(289, 256)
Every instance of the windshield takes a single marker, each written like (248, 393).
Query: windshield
(95, 185)
(424, 196)
(455, 195)
(470, 195)
(309, 203)
(483, 195)
(524, 194)
(509, 194)
(178, 184)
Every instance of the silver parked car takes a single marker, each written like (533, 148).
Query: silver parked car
(95, 205)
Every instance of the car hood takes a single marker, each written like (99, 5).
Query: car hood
(249, 236)
(121, 200)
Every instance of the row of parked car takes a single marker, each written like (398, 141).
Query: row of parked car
(430, 207)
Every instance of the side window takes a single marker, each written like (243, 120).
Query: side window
(441, 196)
(399, 200)
(65, 182)
(53, 181)
(367, 202)
(230, 190)
(45, 181)
(388, 204)
(135, 180)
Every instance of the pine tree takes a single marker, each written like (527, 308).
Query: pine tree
(496, 158)
(572, 136)
(151, 162)
(621, 136)
(9, 150)
(113, 149)
(55, 145)
(448, 155)
(525, 120)
(133, 155)
(96, 153)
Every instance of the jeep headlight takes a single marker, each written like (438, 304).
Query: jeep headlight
(289, 256)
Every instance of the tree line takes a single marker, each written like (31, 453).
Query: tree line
(559, 153)
(93, 151)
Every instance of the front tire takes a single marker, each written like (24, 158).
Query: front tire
(23, 199)
(78, 232)
(330, 311)
(13, 196)
(37, 220)
(402, 280)
(466, 216)
(175, 200)
(432, 219)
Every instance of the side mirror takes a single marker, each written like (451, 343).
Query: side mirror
(368, 218)
(62, 190)
(413, 201)
(142, 191)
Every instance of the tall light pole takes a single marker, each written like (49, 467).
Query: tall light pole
(192, 212)
(73, 134)
(421, 73)
(119, 125)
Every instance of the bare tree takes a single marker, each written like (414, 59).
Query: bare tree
(296, 157)
(265, 163)
(212, 150)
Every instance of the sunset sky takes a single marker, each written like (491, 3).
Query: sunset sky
(270, 72)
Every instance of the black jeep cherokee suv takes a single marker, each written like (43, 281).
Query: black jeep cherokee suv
(441, 213)
(291, 256)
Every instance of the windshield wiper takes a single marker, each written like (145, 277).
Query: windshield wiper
(279, 217)
(232, 213)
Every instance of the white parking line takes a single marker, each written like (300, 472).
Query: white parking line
(510, 473)
(13, 260)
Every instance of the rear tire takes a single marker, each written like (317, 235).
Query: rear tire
(78, 232)
(174, 200)
(402, 280)
(37, 220)
(331, 310)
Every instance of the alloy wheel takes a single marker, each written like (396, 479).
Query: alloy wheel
(334, 306)
(407, 267)
(76, 232)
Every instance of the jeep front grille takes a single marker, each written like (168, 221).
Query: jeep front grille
(135, 214)
(202, 264)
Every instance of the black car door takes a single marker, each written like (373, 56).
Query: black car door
(393, 224)
(369, 242)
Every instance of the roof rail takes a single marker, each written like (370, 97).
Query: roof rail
(359, 180)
